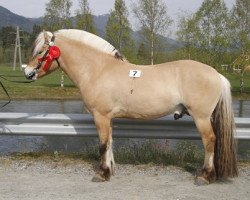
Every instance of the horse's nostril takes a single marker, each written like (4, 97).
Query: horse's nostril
(30, 73)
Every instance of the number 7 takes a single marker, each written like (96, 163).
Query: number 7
(135, 72)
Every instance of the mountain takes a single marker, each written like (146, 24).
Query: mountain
(100, 23)
(8, 18)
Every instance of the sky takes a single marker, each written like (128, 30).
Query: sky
(36, 8)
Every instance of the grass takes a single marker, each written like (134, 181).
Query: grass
(186, 155)
(45, 88)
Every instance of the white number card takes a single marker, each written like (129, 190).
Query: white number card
(135, 73)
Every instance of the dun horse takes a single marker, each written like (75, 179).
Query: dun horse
(111, 87)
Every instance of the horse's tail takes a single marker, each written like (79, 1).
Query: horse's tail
(225, 158)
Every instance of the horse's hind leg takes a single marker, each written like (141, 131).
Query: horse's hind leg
(104, 128)
(207, 175)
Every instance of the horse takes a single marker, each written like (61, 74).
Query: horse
(111, 87)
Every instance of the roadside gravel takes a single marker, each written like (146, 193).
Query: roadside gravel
(71, 179)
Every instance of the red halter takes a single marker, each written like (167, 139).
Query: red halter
(53, 53)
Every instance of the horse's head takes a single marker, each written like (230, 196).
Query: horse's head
(44, 56)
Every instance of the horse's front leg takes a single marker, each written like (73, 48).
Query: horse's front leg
(104, 128)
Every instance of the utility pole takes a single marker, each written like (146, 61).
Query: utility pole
(17, 47)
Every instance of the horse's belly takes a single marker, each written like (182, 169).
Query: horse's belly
(152, 107)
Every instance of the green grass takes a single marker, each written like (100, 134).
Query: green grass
(234, 79)
(45, 88)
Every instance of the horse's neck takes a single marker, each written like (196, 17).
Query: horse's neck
(79, 62)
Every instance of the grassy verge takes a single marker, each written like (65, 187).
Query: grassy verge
(186, 155)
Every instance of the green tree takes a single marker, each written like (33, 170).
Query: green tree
(212, 20)
(118, 31)
(36, 29)
(207, 31)
(154, 20)
(84, 18)
(186, 34)
(57, 14)
(7, 40)
(142, 54)
(7, 37)
(240, 27)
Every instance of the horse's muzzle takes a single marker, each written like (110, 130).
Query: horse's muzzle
(30, 73)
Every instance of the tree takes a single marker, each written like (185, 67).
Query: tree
(240, 34)
(142, 53)
(57, 14)
(7, 40)
(84, 18)
(7, 37)
(118, 27)
(36, 29)
(186, 34)
(212, 21)
(240, 27)
(207, 30)
(154, 20)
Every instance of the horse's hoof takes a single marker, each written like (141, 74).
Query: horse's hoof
(199, 181)
(98, 178)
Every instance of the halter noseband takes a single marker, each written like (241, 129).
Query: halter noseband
(52, 53)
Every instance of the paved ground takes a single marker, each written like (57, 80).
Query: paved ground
(71, 179)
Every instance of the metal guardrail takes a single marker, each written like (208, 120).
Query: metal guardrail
(38, 124)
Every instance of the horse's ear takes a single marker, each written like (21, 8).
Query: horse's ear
(46, 36)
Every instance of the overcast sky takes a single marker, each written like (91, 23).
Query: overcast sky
(36, 8)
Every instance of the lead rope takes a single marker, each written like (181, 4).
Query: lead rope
(4, 89)
(7, 94)
(12, 81)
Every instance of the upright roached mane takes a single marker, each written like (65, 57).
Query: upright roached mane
(82, 36)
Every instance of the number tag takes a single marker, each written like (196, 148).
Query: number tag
(135, 73)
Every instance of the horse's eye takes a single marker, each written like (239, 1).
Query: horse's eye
(40, 52)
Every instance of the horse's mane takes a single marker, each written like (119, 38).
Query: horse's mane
(82, 36)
